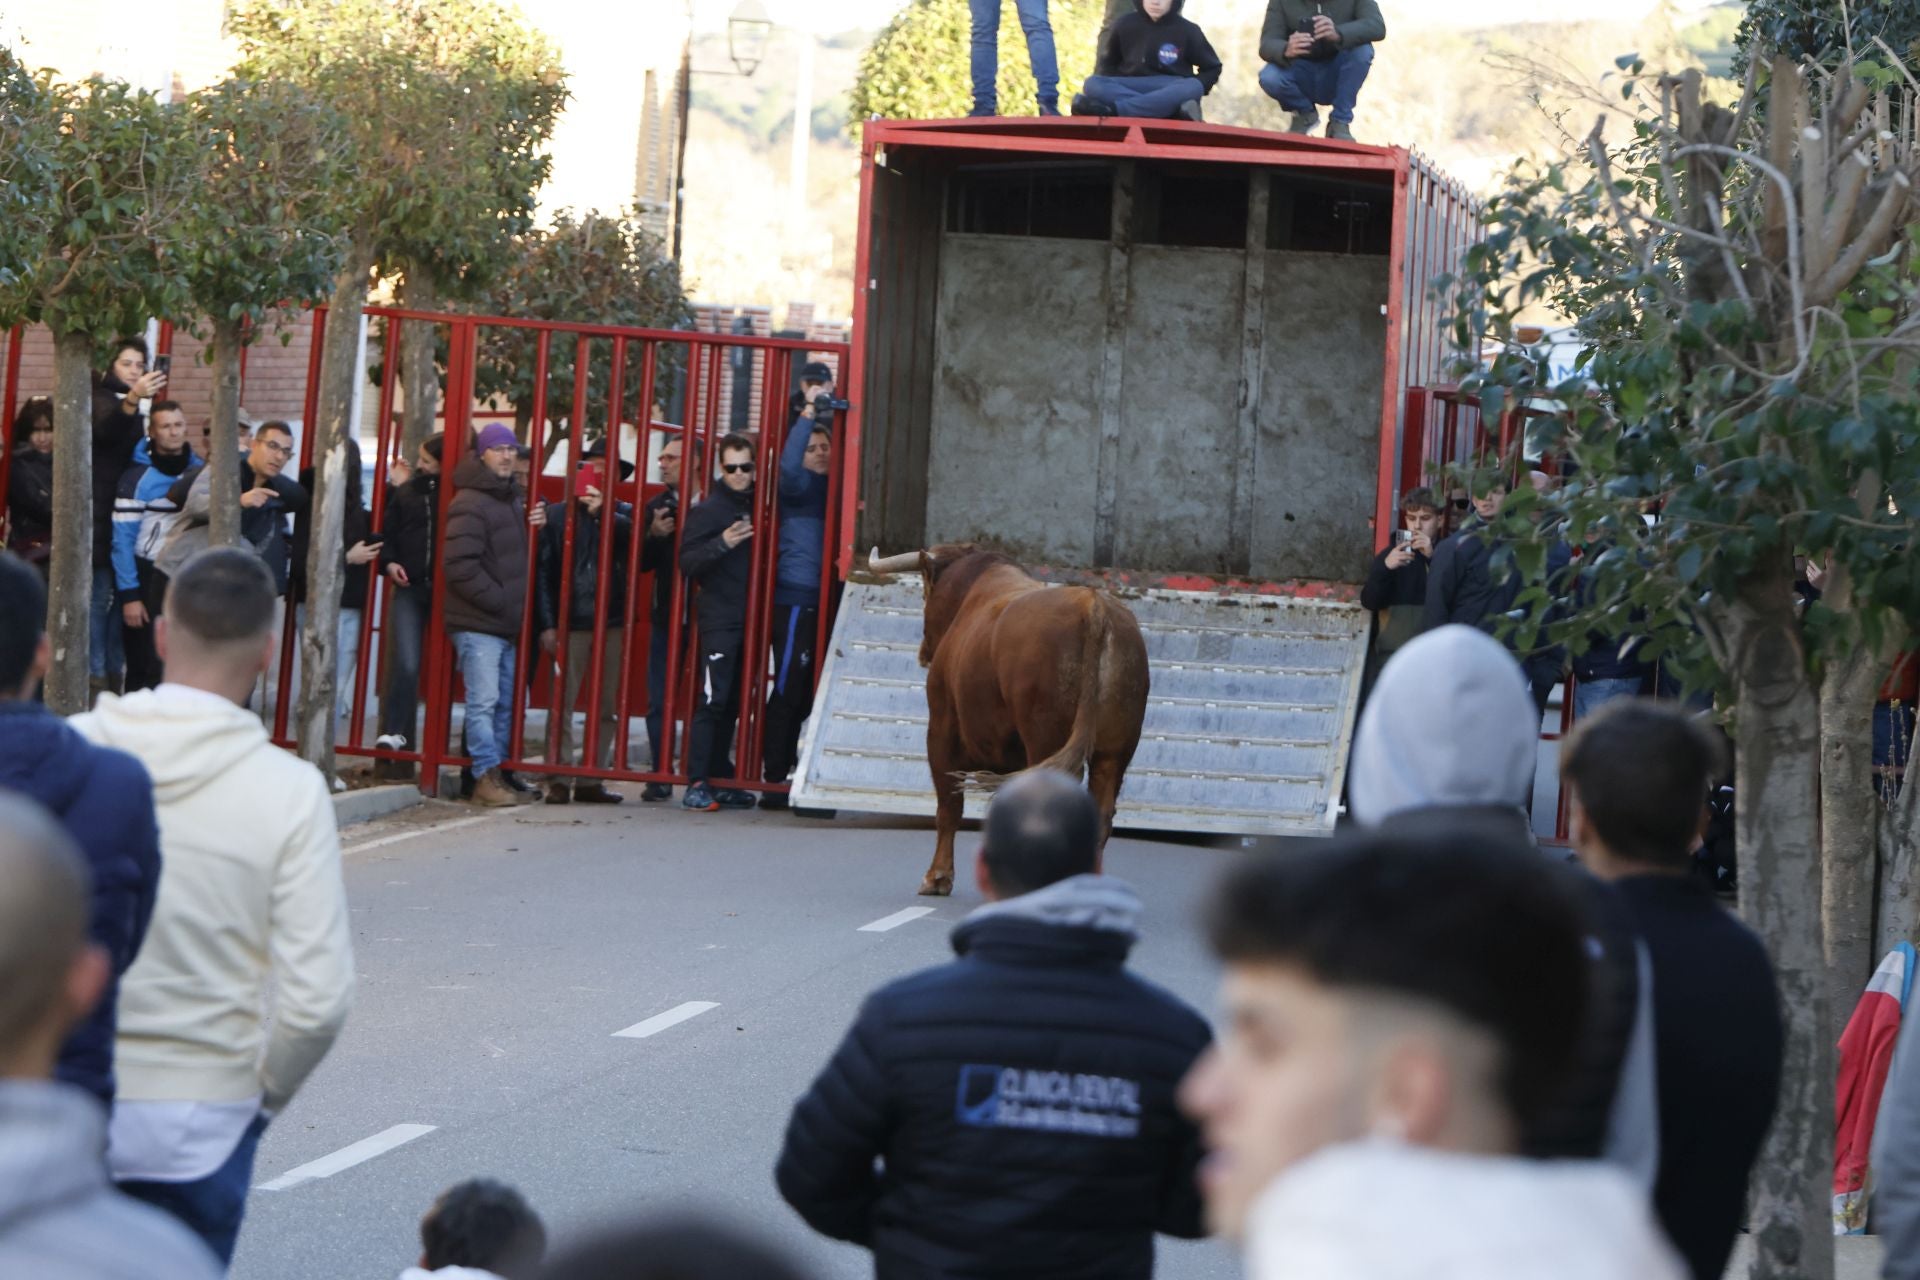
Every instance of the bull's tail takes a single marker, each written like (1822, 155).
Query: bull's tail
(1072, 758)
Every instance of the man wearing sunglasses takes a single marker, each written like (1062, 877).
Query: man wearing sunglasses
(716, 555)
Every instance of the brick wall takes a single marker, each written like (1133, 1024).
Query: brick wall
(274, 386)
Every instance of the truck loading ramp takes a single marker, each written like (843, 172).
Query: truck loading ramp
(1247, 726)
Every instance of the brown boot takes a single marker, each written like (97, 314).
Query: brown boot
(596, 793)
(559, 793)
(492, 791)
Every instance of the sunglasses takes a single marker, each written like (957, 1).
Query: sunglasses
(1461, 504)
(736, 468)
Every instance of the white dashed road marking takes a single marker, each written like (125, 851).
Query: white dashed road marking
(671, 1018)
(895, 920)
(347, 1157)
(398, 836)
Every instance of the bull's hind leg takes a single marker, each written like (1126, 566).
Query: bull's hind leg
(1104, 776)
(950, 804)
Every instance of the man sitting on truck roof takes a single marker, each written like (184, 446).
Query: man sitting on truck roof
(1319, 52)
(1153, 63)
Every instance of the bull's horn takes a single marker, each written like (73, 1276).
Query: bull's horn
(905, 562)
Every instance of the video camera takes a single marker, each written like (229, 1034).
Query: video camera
(825, 407)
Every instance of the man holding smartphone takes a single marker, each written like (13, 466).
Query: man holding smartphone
(1396, 585)
(717, 556)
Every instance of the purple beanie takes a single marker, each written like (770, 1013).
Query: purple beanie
(492, 436)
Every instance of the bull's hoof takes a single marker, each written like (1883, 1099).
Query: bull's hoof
(936, 886)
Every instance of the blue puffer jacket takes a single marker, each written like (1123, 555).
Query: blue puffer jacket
(1021, 1100)
(104, 799)
(803, 522)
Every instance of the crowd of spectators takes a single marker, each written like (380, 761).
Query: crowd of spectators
(1444, 1053)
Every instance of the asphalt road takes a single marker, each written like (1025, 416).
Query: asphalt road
(499, 956)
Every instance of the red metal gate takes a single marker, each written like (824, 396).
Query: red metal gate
(637, 370)
(696, 362)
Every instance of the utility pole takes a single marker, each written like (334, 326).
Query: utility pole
(802, 139)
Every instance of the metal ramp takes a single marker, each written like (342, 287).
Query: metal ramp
(1246, 732)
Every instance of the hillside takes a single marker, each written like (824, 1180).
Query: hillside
(1474, 99)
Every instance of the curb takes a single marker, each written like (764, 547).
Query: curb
(350, 807)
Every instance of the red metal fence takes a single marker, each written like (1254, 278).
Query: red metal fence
(618, 375)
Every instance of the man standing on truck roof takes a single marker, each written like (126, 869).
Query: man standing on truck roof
(985, 60)
(1319, 52)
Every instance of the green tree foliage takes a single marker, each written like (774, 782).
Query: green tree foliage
(1747, 282)
(917, 67)
(267, 231)
(96, 177)
(449, 105)
(1825, 31)
(589, 269)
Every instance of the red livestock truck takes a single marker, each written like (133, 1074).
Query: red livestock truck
(1175, 358)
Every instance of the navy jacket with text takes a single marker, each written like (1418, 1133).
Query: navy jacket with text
(1020, 1101)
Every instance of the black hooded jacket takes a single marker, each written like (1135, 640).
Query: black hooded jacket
(586, 569)
(1020, 1103)
(721, 574)
(115, 433)
(1136, 45)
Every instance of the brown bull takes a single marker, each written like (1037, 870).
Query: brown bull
(1021, 676)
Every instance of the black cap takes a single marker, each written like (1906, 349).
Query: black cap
(815, 371)
(598, 449)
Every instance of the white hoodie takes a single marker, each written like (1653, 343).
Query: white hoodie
(249, 887)
(1380, 1210)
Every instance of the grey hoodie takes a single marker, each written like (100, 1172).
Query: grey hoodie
(60, 1219)
(1078, 902)
(1451, 723)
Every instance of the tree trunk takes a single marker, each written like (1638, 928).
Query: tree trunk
(338, 363)
(1849, 811)
(70, 593)
(419, 376)
(1897, 913)
(1777, 779)
(223, 432)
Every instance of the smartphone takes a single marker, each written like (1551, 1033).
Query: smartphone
(163, 365)
(1402, 536)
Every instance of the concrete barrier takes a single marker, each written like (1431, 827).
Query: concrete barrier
(350, 807)
(1854, 1258)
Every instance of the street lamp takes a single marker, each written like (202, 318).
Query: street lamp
(747, 29)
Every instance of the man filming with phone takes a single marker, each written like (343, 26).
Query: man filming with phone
(716, 555)
(1396, 585)
(1318, 53)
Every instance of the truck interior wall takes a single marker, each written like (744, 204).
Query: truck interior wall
(1318, 457)
(995, 360)
(1179, 438)
(1019, 345)
(897, 393)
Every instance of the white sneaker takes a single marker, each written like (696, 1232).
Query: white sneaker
(391, 742)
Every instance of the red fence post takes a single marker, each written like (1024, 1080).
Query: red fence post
(643, 436)
(12, 406)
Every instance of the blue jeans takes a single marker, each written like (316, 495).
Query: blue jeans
(211, 1207)
(406, 626)
(105, 656)
(1591, 695)
(986, 53)
(486, 665)
(1154, 97)
(1335, 82)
